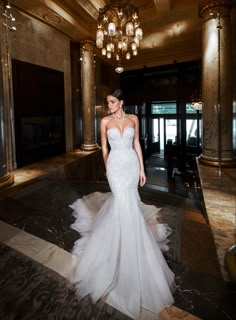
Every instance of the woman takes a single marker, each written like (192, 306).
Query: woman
(120, 121)
(120, 258)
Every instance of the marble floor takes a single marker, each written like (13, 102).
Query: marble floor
(202, 291)
(219, 192)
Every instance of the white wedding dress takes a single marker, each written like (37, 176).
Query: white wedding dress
(119, 252)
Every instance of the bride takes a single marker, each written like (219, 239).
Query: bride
(120, 257)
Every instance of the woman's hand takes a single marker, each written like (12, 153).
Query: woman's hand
(142, 179)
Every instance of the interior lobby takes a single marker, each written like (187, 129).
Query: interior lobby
(182, 87)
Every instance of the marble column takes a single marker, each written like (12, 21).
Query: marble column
(217, 94)
(88, 95)
(7, 144)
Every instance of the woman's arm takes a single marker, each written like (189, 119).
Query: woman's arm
(104, 144)
(138, 150)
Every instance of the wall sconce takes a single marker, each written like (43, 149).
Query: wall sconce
(11, 28)
(8, 17)
(7, 5)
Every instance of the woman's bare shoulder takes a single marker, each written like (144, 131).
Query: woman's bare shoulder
(105, 120)
(132, 117)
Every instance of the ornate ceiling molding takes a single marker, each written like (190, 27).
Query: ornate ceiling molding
(171, 27)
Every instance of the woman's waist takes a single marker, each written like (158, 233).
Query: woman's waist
(122, 148)
(123, 152)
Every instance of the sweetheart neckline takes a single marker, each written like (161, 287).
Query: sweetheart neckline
(121, 133)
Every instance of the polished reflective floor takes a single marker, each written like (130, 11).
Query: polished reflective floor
(35, 222)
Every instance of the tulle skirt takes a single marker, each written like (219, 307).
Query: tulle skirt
(120, 252)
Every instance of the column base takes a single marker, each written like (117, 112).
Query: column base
(230, 258)
(89, 147)
(6, 180)
(231, 163)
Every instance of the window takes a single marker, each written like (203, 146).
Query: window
(190, 109)
(171, 130)
(164, 108)
(192, 131)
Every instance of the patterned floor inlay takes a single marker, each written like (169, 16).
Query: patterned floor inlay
(29, 290)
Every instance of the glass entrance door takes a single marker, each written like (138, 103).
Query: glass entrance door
(163, 131)
(170, 130)
(155, 142)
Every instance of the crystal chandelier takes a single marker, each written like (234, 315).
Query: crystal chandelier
(118, 32)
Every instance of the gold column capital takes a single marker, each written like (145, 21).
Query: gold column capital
(87, 46)
(87, 42)
(205, 5)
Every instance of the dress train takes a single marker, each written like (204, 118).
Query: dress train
(121, 253)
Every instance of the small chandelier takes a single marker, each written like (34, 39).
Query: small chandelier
(196, 101)
(118, 32)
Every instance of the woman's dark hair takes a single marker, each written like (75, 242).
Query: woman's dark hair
(117, 93)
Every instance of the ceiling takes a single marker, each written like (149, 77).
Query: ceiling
(172, 28)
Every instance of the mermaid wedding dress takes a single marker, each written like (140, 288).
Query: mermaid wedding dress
(120, 255)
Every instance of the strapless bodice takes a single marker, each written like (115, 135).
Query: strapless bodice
(120, 140)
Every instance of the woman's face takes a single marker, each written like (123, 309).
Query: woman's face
(114, 104)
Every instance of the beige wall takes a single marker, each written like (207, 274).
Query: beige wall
(37, 43)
